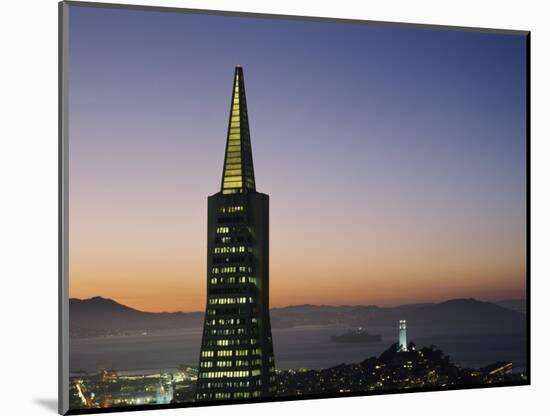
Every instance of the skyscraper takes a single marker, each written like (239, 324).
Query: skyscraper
(236, 359)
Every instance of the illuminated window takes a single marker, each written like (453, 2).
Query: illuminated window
(230, 249)
(238, 208)
(224, 363)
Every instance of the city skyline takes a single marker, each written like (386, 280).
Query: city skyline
(426, 158)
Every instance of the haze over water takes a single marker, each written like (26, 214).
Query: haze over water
(300, 347)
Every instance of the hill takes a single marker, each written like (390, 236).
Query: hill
(101, 316)
(518, 305)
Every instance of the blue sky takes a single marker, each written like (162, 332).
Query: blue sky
(392, 139)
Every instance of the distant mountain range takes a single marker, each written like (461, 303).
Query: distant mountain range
(99, 316)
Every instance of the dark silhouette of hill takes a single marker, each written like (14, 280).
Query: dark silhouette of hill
(456, 314)
(100, 316)
(518, 305)
(462, 314)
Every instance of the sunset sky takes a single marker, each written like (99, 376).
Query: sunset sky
(394, 157)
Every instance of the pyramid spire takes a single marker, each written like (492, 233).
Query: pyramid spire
(238, 170)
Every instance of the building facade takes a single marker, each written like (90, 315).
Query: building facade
(236, 358)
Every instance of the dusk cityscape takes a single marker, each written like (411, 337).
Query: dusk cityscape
(361, 229)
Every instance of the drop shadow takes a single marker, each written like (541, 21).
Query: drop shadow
(49, 404)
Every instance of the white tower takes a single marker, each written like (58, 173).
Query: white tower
(402, 335)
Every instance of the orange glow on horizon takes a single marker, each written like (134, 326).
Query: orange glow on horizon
(158, 263)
